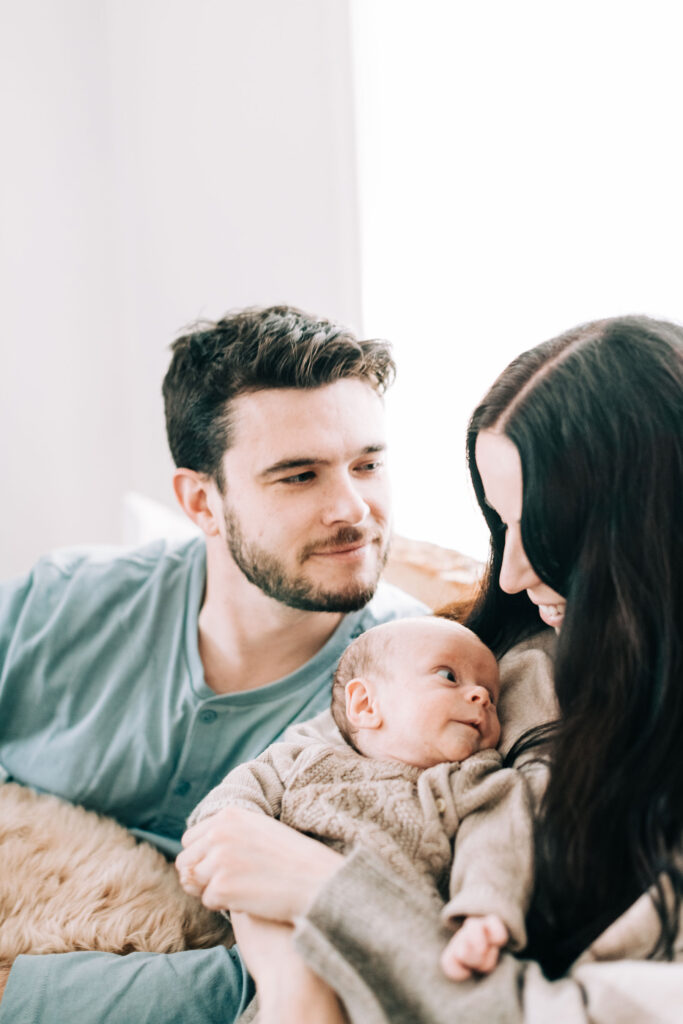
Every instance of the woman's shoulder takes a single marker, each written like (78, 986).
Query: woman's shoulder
(527, 691)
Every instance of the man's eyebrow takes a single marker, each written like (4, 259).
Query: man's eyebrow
(301, 461)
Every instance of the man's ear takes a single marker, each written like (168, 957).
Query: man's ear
(197, 498)
(362, 704)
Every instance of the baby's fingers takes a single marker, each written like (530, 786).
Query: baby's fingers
(474, 948)
(451, 964)
(496, 931)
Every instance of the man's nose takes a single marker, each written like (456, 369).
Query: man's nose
(344, 503)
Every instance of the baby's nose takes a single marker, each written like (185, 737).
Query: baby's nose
(479, 695)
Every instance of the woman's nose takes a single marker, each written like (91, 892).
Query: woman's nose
(516, 571)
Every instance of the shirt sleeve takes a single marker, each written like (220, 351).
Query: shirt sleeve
(203, 986)
(13, 595)
(377, 941)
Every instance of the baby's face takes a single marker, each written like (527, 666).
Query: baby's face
(437, 693)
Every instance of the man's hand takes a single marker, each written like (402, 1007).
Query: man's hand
(241, 860)
(474, 948)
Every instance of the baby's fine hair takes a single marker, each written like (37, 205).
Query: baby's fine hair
(365, 656)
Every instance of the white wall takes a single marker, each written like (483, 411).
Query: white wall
(162, 160)
(521, 168)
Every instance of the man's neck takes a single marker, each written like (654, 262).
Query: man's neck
(247, 640)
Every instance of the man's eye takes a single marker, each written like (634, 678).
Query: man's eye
(298, 478)
(370, 467)
(447, 673)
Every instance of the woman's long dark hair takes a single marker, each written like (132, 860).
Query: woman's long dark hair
(597, 418)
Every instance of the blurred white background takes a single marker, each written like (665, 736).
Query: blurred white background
(464, 179)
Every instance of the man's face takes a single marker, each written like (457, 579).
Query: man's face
(307, 501)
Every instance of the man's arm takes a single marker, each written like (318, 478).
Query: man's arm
(203, 986)
(197, 986)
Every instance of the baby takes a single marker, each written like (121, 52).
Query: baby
(415, 702)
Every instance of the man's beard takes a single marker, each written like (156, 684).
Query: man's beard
(269, 574)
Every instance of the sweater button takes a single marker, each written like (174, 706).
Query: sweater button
(208, 716)
(440, 804)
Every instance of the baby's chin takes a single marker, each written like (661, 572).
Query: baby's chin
(465, 742)
(456, 743)
(450, 753)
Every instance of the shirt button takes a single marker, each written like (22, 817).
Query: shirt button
(183, 788)
(440, 804)
(208, 716)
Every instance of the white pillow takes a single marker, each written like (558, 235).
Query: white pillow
(144, 520)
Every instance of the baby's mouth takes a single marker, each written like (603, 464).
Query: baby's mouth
(473, 725)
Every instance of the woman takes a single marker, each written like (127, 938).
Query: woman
(576, 456)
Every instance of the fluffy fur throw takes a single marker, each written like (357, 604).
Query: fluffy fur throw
(72, 880)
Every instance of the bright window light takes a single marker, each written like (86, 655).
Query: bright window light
(520, 170)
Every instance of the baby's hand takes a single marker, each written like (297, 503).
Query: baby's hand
(475, 947)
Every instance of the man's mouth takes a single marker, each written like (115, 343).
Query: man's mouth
(340, 546)
(342, 550)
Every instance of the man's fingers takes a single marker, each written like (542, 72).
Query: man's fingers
(188, 859)
(197, 831)
(189, 881)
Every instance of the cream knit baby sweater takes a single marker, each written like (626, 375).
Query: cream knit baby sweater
(461, 832)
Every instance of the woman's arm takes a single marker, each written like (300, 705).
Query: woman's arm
(375, 940)
(378, 941)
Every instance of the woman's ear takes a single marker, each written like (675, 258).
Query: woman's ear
(195, 494)
(362, 704)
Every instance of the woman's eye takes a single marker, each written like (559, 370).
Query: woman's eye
(447, 673)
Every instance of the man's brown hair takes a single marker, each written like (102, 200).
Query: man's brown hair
(253, 350)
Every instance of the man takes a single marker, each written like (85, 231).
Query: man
(133, 682)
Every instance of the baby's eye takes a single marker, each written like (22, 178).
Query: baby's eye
(447, 673)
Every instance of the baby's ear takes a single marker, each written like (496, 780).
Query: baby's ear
(362, 704)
